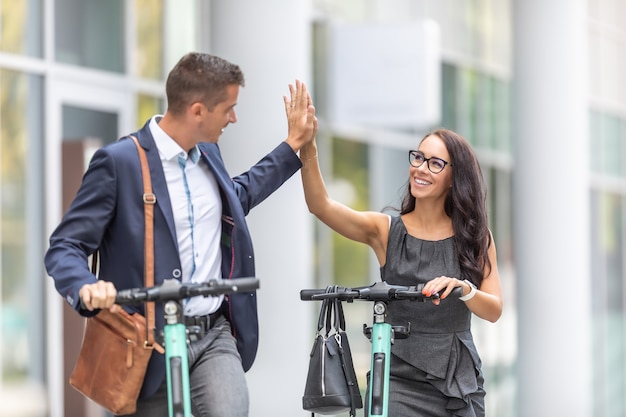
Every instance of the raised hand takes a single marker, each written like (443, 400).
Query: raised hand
(301, 120)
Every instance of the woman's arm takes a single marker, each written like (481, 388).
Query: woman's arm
(367, 227)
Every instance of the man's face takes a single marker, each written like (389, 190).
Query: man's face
(215, 121)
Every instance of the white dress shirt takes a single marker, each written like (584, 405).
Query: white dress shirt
(203, 245)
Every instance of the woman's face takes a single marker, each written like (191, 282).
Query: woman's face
(425, 183)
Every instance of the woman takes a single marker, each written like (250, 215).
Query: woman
(440, 239)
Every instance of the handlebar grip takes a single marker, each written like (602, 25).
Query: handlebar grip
(244, 284)
(131, 296)
(307, 295)
(455, 293)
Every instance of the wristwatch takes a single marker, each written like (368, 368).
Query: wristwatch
(472, 292)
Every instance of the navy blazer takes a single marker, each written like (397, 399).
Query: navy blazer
(107, 214)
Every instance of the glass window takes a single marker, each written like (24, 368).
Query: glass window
(607, 134)
(148, 106)
(478, 106)
(501, 96)
(595, 137)
(499, 186)
(468, 109)
(90, 33)
(149, 48)
(476, 29)
(21, 222)
(389, 177)
(612, 146)
(485, 109)
(607, 248)
(80, 123)
(449, 113)
(185, 24)
(350, 185)
(21, 27)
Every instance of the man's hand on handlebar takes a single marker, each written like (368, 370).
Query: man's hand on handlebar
(98, 296)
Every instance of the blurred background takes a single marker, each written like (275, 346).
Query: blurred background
(537, 87)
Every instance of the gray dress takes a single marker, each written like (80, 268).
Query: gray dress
(436, 371)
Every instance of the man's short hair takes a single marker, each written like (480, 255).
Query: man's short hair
(200, 77)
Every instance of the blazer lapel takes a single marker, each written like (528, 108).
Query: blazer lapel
(213, 159)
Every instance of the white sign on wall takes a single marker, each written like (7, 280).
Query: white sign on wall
(385, 75)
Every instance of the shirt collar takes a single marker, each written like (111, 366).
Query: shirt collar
(168, 148)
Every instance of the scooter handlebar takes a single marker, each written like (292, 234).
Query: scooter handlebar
(172, 289)
(379, 291)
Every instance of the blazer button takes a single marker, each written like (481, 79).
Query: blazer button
(177, 273)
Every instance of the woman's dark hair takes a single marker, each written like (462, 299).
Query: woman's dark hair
(466, 206)
(200, 77)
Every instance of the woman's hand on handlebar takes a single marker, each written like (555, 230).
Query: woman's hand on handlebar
(442, 285)
(98, 296)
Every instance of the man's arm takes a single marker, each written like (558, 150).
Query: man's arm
(80, 231)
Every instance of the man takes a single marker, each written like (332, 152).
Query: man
(200, 230)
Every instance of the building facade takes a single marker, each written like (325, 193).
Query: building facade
(535, 86)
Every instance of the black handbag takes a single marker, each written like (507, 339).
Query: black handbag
(331, 384)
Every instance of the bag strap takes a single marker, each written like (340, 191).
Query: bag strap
(351, 384)
(149, 200)
(340, 327)
(325, 318)
(340, 321)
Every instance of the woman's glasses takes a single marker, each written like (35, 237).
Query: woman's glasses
(435, 165)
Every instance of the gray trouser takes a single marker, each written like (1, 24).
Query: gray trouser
(216, 377)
